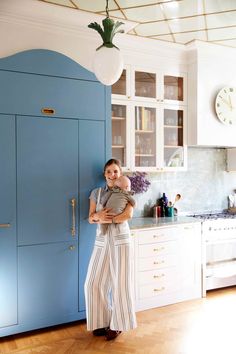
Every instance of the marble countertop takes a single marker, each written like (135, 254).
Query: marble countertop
(141, 223)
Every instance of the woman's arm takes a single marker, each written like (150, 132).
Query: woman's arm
(125, 215)
(100, 217)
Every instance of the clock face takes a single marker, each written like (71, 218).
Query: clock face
(225, 105)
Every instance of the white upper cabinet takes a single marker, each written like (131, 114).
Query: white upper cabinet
(210, 68)
(149, 120)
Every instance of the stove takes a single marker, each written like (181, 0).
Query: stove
(219, 250)
(214, 216)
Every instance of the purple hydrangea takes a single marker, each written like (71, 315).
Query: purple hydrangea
(139, 183)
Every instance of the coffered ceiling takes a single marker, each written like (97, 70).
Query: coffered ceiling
(177, 21)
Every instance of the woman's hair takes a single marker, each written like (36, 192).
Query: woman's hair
(110, 162)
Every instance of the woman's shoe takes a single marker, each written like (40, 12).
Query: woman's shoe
(110, 334)
(100, 331)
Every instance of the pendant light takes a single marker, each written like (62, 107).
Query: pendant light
(108, 62)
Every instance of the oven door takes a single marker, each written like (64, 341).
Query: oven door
(220, 263)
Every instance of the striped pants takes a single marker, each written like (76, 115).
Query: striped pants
(109, 282)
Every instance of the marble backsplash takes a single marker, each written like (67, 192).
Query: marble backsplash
(204, 187)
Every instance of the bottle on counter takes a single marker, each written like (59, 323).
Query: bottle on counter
(164, 204)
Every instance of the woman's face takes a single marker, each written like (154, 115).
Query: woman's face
(111, 173)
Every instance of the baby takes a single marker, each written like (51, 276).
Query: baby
(117, 198)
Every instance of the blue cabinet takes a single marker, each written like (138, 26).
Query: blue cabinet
(8, 249)
(49, 165)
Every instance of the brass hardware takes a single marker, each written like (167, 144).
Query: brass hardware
(158, 276)
(5, 225)
(158, 249)
(156, 236)
(71, 248)
(48, 111)
(161, 262)
(161, 289)
(73, 227)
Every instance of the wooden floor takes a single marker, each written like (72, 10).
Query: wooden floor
(204, 326)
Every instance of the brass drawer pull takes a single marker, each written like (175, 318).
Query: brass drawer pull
(5, 225)
(158, 276)
(48, 111)
(160, 289)
(158, 249)
(161, 262)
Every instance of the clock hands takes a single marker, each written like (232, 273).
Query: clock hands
(230, 102)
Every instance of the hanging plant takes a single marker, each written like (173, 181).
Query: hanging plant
(139, 182)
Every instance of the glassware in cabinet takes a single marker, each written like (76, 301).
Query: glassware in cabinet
(173, 138)
(145, 84)
(119, 117)
(174, 88)
(145, 136)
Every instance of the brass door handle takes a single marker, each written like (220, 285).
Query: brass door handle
(73, 226)
(5, 225)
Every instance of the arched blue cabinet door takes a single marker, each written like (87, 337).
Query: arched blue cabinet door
(58, 157)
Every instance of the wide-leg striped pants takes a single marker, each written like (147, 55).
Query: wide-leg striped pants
(109, 290)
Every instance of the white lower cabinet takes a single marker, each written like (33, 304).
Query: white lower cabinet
(167, 265)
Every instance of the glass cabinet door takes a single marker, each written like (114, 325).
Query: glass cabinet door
(174, 88)
(173, 138)
(119, 88)
(119, 115)
(145, 84)
(145, 136)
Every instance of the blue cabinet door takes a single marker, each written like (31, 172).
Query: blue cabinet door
(48, 285)
(47, 171)
(47, 179)
(92, 156)
(8, 254)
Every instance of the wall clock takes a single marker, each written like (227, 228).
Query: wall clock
(225, 105)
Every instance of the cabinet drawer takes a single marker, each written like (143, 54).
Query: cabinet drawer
(153, 290)
(158, 277)
(156, 235)
(157, 262)
(156, 249)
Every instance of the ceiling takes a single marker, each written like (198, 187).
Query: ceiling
(177, 21)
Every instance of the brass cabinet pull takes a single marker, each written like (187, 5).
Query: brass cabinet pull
(160, 289)
(158, 249)
(158, 276)
(161, 262)
(5, 225)
(72, 248)
(73, 227)
(48, 111)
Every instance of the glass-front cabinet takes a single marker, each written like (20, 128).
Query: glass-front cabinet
(120, 143)
(173, 137)
(148, 120)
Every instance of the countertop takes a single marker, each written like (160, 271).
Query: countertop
(141, 223)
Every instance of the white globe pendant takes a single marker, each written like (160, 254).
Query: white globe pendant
(108, 65)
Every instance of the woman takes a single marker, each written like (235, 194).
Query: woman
(108, 286)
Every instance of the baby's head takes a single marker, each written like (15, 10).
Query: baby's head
(123, 182)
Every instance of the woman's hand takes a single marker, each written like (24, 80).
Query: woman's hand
(125, 215)
(101, 217)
